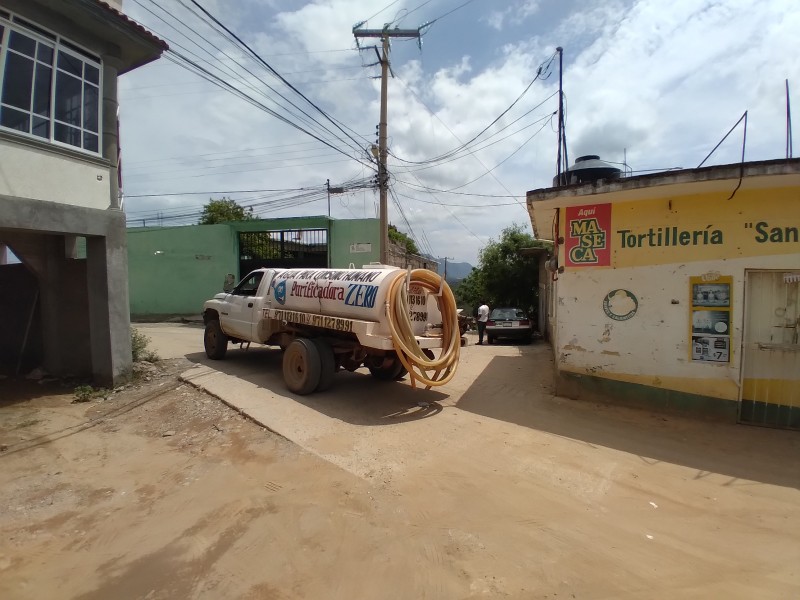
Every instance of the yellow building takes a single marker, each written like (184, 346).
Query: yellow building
(679, 290)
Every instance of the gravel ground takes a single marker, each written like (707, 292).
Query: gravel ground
(497, 490)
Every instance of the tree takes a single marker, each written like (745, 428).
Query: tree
(224, 211)
(504, 277)
(402, 240)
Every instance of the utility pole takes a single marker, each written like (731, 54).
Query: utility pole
(383, 152)
(562, 135)
(332, 190)
(446, 258)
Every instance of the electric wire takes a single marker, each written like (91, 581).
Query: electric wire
(356, 143)
(484, 205)
(489, 171)
(287, 162)
(258, 58)
(380, 11)
(205, 154)
(269, 202)
(411, 231)
(473, 150)
(450, 12)
(452, 214)
(464, 145)
(305, 117)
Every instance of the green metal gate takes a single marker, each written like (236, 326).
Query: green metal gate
(287, 248)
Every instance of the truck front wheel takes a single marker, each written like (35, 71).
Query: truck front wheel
(215, 341)
(302, 366)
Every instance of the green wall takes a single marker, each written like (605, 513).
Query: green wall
(173, 270)
(354, 231)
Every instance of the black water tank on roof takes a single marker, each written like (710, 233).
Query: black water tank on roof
(587, 169)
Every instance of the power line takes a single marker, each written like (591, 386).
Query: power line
(187, 156)
(464, 145)
(472, 151)
(306, 117)
(484, 205)
(489, 171)
(357, 144)
(381, 10)
(452, 214)
(408, 224)
(215, 79)
(276, 74)
(207, 167)
(213, 192)
(450, 12)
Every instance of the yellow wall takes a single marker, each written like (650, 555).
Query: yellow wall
(651, 249)
(697, 227)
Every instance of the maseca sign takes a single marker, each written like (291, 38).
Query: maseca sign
(682, 229)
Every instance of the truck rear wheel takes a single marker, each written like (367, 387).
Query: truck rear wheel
(327, 364)
(215, 341)
(391, 372)
(302, 366)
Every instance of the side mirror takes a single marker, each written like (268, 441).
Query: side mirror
(230, 283)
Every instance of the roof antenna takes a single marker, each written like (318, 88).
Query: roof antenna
(742, 118)
(788, 124)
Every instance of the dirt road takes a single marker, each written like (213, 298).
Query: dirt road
(495, 490)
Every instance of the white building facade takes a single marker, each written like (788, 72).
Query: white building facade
(59, 63)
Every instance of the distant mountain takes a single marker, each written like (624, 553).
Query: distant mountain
(455, 270)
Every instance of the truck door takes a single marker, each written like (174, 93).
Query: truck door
(242, 306)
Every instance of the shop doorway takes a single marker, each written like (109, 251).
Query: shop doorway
(770, 390)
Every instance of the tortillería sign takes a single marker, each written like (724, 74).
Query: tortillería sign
(669, 236)
(686, 228)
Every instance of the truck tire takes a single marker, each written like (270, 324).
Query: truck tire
(215, 341)
(327, 364)
(302, 366)
(390, 373)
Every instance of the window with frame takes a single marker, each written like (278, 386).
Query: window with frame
(49, 88)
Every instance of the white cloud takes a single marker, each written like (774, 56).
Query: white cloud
(515, 14)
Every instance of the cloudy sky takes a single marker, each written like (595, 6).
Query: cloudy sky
(658, 82)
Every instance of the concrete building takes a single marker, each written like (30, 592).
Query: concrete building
(59, 63)
(679, 290)
(173, 270)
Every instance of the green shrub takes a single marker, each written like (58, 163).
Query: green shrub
(139, 350)
(86, 393)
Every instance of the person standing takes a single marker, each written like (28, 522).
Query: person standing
(483, 316)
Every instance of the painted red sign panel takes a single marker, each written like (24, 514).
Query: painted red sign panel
(587, 240)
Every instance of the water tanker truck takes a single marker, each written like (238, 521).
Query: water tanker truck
(393, 321)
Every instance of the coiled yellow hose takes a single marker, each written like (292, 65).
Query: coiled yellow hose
(429, 371)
